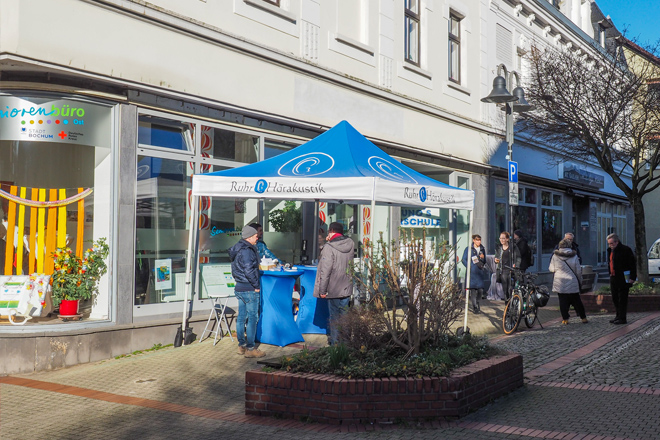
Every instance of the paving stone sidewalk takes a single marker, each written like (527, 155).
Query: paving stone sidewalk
(196, 392)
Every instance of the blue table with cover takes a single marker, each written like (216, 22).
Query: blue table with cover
(276, 324)
(312, 312)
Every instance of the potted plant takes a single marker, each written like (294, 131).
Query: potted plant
(77, 278)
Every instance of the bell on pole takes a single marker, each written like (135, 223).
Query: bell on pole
(499, 94)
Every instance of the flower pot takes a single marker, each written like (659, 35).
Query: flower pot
(69, 307)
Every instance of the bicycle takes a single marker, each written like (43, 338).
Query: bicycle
(525, 301)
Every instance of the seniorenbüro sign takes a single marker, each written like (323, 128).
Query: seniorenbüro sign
(59, 120)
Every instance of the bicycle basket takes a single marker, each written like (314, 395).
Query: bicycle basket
(540, 296)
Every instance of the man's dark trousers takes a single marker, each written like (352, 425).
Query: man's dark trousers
(620, 289)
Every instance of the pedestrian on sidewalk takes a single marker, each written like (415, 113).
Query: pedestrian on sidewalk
(574, 245)
(567, 280)
(525, 251)
(334, 282)
(506, 255)
(620, 259)
(245, 259)
(477, 270)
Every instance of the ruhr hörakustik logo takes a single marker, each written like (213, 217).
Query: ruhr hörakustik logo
(261, 186)
(309, 164)
(390, 170)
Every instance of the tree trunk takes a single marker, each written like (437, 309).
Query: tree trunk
(641, 250)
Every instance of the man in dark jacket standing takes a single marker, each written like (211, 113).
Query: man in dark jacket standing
(244, 258)
(333, 280)
(620, 258)
(523, 247)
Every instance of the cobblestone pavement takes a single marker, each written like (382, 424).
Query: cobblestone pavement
(583, 381)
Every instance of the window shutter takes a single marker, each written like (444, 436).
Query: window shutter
(504, 42)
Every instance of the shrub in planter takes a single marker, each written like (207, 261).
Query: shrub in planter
(406, 337)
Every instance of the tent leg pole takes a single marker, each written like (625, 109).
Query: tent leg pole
(468, 266)
(372, 245)
(191, 242)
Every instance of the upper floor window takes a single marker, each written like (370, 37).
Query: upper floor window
(273, 2)
(653, 95)
(455, 48)
(411, 31)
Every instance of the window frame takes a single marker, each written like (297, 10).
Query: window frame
(454, 39)
(273, 2)
(415, 17)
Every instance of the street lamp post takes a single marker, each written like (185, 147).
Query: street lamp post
(513, 103)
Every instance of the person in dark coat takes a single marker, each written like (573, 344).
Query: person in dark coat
(523, 247)
(334, 281)
(506, 255)
(574, 246)
(477, 269)
(245, 259)
(620, 259)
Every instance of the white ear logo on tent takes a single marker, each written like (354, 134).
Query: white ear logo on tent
(310, 164)
(389, 170)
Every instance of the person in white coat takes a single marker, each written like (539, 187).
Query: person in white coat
(567, 280)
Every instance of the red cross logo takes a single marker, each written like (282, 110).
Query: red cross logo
(62, 134)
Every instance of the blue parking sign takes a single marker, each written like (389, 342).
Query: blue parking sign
(513, 171)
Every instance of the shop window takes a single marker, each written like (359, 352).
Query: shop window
(162, 216)
(165, 133)
(50, 172)
(551, 233)
(546, 198)
(500, 190)
(283, 229)
(524, 218)
(275, 148)
(530, 196)
(220, 224)
(218, 143)
(411, 32)
(500, 218)
(556, 200)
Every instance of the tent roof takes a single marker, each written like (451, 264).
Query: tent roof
(340, 164)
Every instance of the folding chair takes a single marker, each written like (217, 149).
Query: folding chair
(218, 311)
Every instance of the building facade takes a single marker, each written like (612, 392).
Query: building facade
(143, 95)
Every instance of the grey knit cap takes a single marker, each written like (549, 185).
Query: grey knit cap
(248, 231)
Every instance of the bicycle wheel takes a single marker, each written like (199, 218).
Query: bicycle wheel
(512, 312)
(530, 315)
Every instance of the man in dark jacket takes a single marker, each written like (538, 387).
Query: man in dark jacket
(244, 258)
(333, 280)
(523, 247)
(574, 246)
(620, 259)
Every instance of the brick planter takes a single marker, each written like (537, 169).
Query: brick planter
(636, 303)
(334, 400)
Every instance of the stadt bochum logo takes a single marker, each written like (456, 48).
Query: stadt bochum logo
(261, 186)
(422, 194)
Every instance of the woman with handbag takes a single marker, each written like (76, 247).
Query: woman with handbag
(506, 255)
(567, 280)
(477, 271)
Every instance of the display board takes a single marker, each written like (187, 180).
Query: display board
(216, 279)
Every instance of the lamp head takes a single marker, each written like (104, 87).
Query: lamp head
(522, 105)
(499, 94)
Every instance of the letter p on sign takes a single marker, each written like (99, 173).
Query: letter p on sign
(513, 172)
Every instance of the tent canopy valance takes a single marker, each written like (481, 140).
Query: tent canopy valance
(338, 165)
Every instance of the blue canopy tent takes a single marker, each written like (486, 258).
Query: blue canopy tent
(340, 165)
